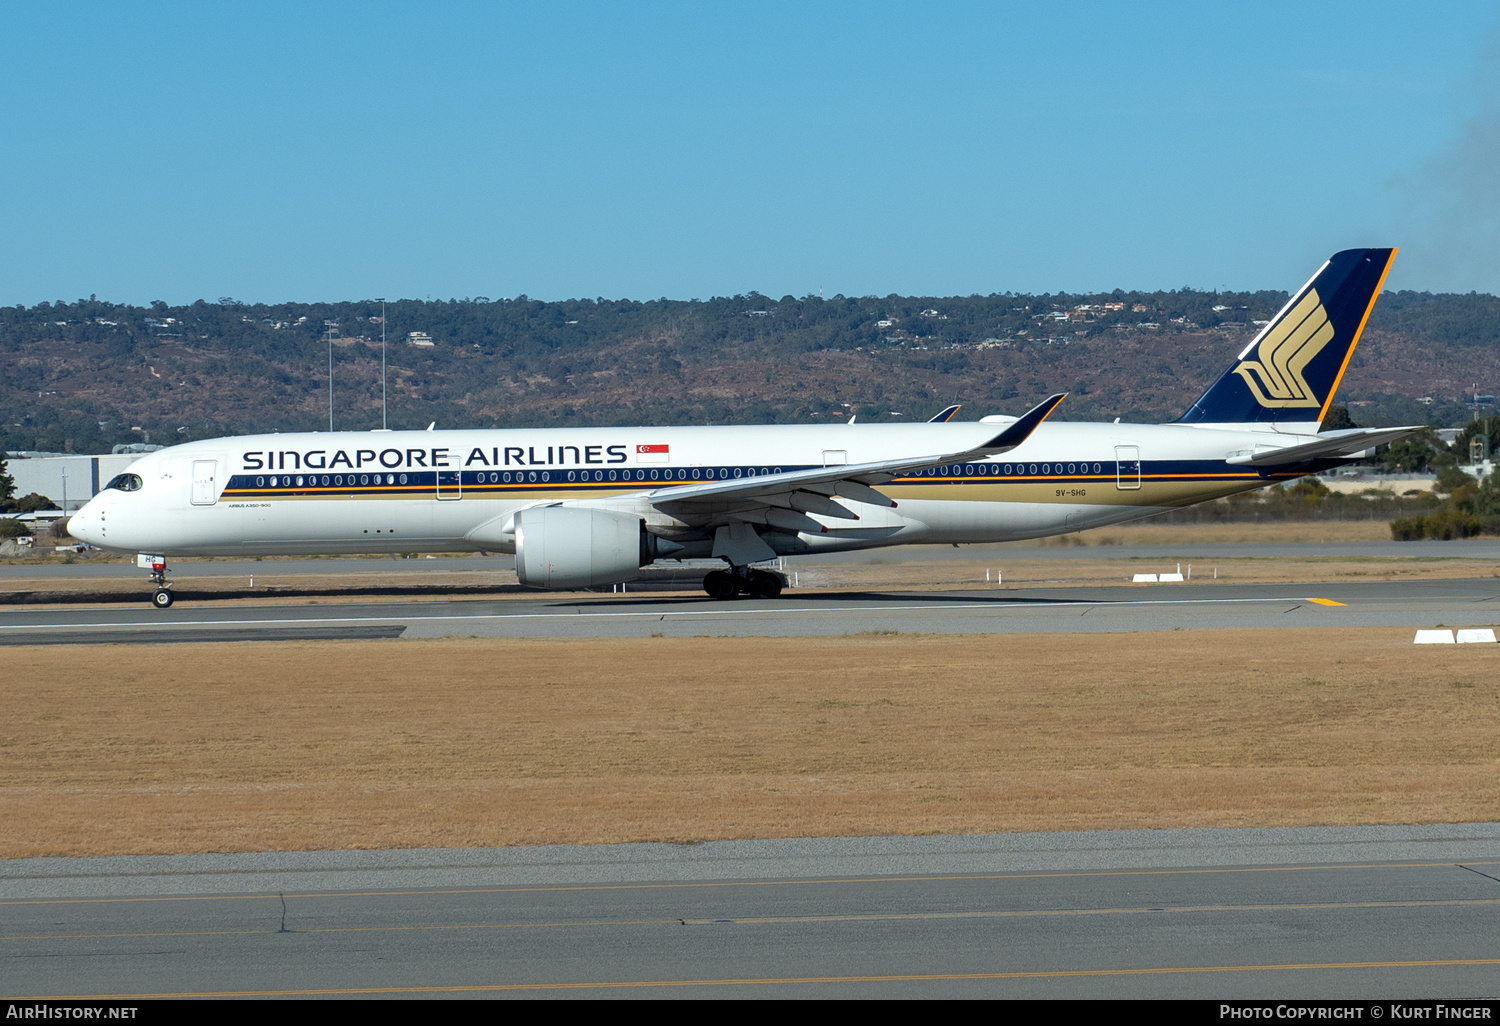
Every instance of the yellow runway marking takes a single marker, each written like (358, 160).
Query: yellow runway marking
(719, 884)
(1327, 602)
(1041, 974)
(871, 917)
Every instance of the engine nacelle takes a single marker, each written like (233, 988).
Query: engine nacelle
(572, 547)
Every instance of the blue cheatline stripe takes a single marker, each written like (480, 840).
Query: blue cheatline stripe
(423, 484)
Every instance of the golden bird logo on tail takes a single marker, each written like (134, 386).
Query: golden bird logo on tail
(1276, 379)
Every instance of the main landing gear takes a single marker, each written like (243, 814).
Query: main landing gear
(726, 584)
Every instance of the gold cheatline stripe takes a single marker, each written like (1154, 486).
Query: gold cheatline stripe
(873, 917)
(1039, 974)
(715, 884)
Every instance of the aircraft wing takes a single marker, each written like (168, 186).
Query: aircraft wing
(1329, 445)
(812, 491)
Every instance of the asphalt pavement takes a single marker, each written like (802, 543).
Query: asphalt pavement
(1481, 549)
(1351, 912)
(1124, 608)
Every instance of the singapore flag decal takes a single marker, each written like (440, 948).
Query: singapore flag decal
(653, 454)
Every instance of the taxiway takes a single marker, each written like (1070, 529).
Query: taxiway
(1364, 912)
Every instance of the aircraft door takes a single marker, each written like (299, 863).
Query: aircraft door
(450, 484)
(835, 457)
(205, 482)
(1128, 467)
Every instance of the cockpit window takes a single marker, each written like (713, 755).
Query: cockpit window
(125, 482)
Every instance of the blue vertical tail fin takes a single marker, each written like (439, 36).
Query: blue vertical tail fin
(1291, 370)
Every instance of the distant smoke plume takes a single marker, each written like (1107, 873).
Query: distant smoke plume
(1448, 212)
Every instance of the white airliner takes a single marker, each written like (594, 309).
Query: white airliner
(592, 506)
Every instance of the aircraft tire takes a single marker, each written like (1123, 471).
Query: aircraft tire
(720, 584)
(162, 599)
(767, 586)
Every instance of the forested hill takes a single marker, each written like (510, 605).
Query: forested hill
(89, 374)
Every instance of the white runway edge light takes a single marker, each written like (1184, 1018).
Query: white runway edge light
(1466, 636)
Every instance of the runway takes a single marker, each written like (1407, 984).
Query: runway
(1357, 912)
(1472, 602)
(1479, 549)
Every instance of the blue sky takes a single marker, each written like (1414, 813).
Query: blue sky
(337, 151)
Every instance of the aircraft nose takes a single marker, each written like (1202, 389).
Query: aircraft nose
(80, 524)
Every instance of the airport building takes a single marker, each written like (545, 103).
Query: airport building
(67, 479)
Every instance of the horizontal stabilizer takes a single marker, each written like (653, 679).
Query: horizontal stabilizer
(1329, 445)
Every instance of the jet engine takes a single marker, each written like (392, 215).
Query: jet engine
(573, 547)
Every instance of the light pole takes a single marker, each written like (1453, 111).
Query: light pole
(328, 327)
(382, 363)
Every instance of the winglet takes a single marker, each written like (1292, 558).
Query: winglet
(946, 415)
(1018, 432)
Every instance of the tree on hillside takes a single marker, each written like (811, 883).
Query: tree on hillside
(7, 484)
(1338, 419)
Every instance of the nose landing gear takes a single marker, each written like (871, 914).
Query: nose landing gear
(741, 580)
(162, 597)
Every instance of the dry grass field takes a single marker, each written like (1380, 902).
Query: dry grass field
(245, 747)
(1151, 532)
(1099, 570)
